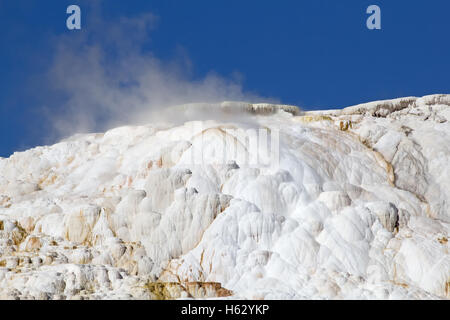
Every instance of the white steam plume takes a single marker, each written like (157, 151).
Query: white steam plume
(106, 79)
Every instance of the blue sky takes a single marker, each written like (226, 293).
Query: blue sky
(316, 54)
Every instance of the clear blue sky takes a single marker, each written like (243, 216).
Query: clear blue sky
(316, 54)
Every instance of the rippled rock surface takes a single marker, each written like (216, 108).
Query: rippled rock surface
(355, 207)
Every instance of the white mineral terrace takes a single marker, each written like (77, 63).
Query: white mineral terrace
(357, 207)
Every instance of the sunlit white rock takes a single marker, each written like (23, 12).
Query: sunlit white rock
(356, 207)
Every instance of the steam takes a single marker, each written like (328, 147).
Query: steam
(105, 78)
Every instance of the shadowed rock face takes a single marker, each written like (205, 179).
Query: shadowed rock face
(177, 290)
(355, 207)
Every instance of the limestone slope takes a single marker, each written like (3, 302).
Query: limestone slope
(354, 207)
